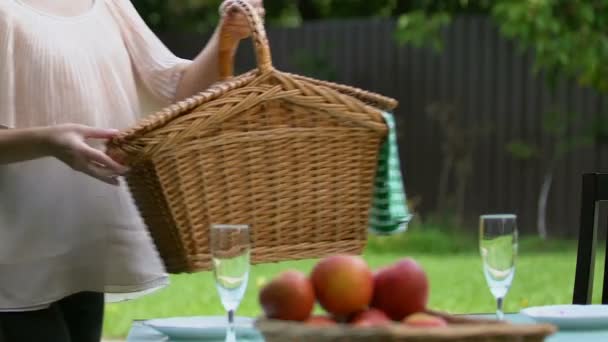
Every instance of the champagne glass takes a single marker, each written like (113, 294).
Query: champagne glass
(498, 248)
(230, 252)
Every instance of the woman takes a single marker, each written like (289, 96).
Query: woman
(73, 71)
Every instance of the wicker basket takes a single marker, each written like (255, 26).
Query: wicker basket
(460, 329)
(291, 156)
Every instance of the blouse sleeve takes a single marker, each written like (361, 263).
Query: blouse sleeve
(156, 66)
(7, 98)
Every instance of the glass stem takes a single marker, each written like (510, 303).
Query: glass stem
(230, 330)
(499, 311)
(231, 317)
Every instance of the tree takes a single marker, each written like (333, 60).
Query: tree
(202, 15)
(569, 38)
(457, 156)
(555, 125)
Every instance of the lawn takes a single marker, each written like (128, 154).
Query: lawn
(544, 275)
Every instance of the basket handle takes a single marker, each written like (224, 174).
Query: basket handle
(227, 42)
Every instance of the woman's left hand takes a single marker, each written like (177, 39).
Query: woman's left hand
(236, 25)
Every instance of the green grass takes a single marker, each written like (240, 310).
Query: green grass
(544, 275)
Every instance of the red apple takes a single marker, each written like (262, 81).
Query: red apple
(290, 296)
(401, 289)
(343, 284)
(421, 319)
(370, 318)
(320, 321)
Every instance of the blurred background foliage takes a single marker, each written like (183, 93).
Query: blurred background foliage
(202, 15)
(570, 37)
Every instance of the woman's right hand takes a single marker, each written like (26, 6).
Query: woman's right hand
(68, 144)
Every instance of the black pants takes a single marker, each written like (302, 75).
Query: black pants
(77, 318)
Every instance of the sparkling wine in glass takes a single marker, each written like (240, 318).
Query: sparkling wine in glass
(498, 248)
(230, 252)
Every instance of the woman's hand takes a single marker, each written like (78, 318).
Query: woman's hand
(236, 24)
(68, 144)
(204, 71)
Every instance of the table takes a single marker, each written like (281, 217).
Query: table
(142, 333)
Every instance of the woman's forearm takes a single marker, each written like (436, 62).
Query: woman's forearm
(18, 145)
(67, 143)
(203, 72)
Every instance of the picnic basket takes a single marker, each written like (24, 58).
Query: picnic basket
(459, 329)
(291, 156)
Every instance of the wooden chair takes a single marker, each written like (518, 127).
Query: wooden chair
(594, 191)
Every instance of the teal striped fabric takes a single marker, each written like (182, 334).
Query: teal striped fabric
(389, 212)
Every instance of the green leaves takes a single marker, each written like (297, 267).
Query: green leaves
(557, 125)
(570, 38)
(314, 64)
(421, 29)
(556, 122)
(522, 150)
(179, 16)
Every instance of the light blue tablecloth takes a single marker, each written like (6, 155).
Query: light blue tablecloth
(563, 336)
(142, 333)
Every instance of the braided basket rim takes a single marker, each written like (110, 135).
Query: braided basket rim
(460, 327)
(372, 102)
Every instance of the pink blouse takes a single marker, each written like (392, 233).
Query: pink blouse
(61, 231)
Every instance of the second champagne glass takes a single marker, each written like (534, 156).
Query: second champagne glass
(498, 248)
